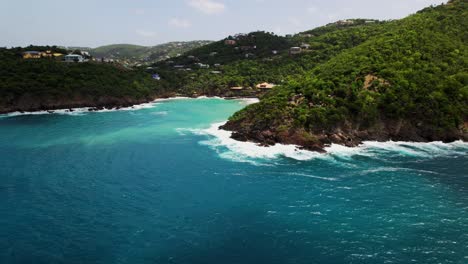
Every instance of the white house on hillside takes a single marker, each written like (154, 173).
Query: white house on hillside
(74, 58)
(295, 50)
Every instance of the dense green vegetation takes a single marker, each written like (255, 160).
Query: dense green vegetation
(45, 79)
(251, 66)
(413, 69)
(355, 73)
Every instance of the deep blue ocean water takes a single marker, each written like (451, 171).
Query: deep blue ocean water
(161, 185)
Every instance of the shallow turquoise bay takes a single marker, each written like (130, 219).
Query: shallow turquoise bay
(155, 185)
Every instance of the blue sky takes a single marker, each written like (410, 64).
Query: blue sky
(149, 22)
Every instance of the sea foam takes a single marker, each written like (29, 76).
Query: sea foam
(82, 110)
(240, 150)
(221, 141)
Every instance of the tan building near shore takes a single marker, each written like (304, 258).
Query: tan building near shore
(265, 85)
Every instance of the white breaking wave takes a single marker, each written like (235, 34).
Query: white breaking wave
(172, 99)
(76, 111)
(83, 110)
(226, 147)
(243, 101)
(248, 101)
(240, 150)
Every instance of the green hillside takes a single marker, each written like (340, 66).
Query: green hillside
(407, 82)
(249, 67)
(154, 53)
(353, 80)
(41, 84)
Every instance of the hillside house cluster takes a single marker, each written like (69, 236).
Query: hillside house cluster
(299, 50)
(82, 57)
(41, 54)
(345, 22)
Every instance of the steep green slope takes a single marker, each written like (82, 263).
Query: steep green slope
(154, 53)
(236, 69)
(409, 82)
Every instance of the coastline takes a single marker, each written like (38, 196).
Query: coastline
(350, 136)
(117, 107)
(251, 151)
(290, 143)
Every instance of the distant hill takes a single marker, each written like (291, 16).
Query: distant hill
(143, 53)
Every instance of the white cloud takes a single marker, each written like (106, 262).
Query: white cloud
(312, 10)
(278, 30)
(180, 23)
(333, 16)
(207, 6)
(139, 11)
(146, 33)
(295, 21)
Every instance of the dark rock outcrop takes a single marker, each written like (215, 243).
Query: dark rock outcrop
(349, 134)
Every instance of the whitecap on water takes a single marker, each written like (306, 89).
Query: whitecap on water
(396, 169)
(226, 147)
(313, 176)
(162, 113)
(415, 149)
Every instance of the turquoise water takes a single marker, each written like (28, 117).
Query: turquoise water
(162, 185)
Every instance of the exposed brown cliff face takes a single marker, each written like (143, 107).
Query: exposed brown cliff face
(349, 134)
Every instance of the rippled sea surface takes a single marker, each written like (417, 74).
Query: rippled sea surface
(160, 184)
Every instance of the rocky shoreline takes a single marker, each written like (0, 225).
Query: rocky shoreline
(29, 104)
(347, 135)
